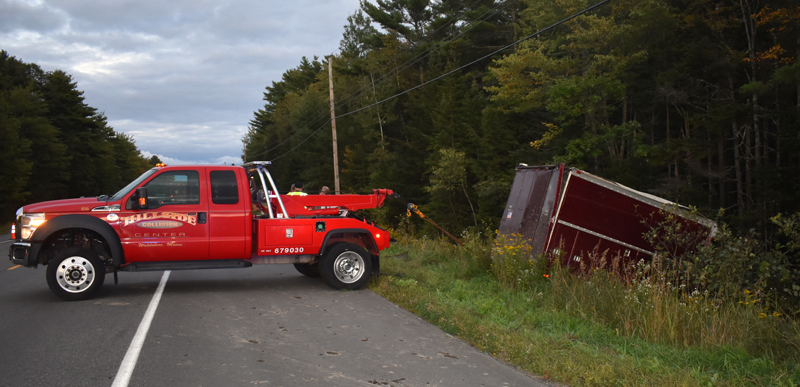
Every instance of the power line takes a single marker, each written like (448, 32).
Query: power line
(479, 59)
(573, 16)
(456, 16)
(306, 139)
(307, 122)
(384, 78)
(436, 47)
(426, 53)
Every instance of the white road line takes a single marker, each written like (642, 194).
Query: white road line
(129, 362)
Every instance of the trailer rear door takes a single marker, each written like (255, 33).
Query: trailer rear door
(531, 203)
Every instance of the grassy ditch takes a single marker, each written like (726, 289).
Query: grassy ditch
(590, 330)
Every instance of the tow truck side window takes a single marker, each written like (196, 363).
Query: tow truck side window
(174, 187)
(224, 187)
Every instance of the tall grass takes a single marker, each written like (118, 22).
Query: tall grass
(652, 308)
(715, 295)
(640, 326)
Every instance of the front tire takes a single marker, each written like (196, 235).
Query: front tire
(75, 274)
(346, 266)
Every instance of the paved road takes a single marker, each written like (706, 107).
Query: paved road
(239, 327)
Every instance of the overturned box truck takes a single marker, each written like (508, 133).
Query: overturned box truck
(575, 214)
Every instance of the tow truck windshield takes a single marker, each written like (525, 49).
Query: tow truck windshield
(119, 195)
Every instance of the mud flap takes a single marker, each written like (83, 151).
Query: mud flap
(376, 265)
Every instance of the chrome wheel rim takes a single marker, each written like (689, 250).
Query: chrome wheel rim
(348, 267)
(75, 274)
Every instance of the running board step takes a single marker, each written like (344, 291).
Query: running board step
(186, 265)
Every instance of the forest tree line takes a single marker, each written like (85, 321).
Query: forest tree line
(52, 144)
(697, 101)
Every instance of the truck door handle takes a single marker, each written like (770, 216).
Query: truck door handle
(201, 217)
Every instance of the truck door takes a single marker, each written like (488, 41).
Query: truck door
(229, 219)
(174, 226)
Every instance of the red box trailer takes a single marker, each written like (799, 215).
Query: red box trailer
(574, 213)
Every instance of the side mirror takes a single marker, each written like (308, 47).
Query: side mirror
(139, 199)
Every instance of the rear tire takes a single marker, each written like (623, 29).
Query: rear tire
(75, 274)
(346, 266)
(308, 269)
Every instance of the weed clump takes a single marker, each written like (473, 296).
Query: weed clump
(513, 263)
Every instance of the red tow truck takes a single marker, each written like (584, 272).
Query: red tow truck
(198, 217)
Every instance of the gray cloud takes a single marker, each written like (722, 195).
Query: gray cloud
(17, 15)
(183, 77)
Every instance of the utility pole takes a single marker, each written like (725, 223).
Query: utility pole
(333, 128)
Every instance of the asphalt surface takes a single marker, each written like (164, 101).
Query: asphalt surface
(265, 325)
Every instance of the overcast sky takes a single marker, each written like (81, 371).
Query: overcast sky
(183, 77)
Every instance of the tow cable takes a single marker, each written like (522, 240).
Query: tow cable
(411, 207)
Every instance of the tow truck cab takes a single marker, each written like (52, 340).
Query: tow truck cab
(198, 217)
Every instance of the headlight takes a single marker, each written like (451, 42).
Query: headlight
(29, 223)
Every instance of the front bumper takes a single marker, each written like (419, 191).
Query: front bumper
(20, 254)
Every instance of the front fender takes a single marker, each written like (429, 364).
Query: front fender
(54, 225)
